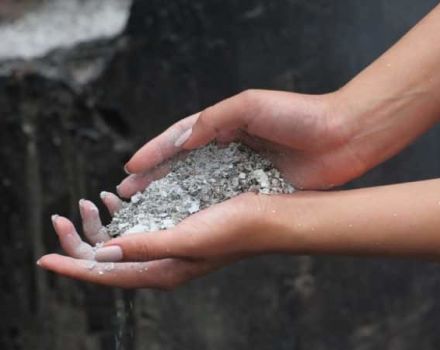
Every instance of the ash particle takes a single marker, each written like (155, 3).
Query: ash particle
(207, 176)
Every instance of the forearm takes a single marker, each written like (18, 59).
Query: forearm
(396, 220)
(397, 97)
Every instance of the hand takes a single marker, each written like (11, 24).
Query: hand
(203, 242)
(93, 229)
(304, 135)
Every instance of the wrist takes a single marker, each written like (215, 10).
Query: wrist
(376, 124)
(287, 223)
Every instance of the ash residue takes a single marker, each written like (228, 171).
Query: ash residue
(207, 176)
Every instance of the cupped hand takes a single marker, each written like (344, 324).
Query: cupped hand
(306, 136)
(203, 242)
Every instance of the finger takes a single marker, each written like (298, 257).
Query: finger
(160, 148)
(146, 247)
(70, 240)
(276, 116)
(162, 274)
(138, 182)
(226, 116)
(92, 225)
(112, 202)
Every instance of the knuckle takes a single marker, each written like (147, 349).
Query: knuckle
(205, 119)
(186, 247)
(142, 251)
(248, 97)
(250, 106)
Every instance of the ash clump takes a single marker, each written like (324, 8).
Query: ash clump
(207, 176)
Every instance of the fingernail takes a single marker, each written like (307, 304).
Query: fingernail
(183, 138)
(38, 262)
(118, 189)
(103, 194)
(81, 202)
(109, 254)
(54, 217)
(126, 170)
(92, 206)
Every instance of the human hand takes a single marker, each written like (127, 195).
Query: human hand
(304, 135)
(203, 242)
(92, 226)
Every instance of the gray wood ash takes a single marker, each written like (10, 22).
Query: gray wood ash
(206, 176)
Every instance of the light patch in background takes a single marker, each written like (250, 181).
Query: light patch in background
(62, 23)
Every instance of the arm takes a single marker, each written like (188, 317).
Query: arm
(396, 220)
(397, 97)
(399, 220)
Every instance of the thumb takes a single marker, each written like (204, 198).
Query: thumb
(144, 247)
(228, 115)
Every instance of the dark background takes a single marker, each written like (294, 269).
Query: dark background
(62, 141)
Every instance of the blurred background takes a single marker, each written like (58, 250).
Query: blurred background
(83, 83)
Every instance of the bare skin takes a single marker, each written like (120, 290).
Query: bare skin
(318, 142)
